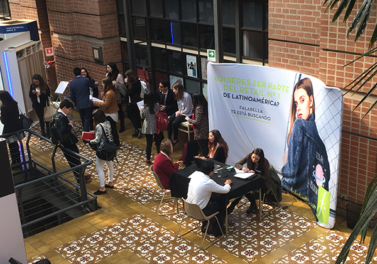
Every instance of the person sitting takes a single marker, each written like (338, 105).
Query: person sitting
(255, 163)
(163, 164)
(201, 188)
(185, 107)
(217, 147)
(165, 98)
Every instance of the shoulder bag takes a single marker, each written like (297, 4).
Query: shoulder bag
(25, 120)
(108, 151)
(162, 121)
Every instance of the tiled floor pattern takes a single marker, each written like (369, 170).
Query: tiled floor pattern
(325, 249)
(143, 236)
(131, 178)
(35, 259)
(249, 238)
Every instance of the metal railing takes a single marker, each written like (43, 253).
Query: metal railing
(49, 190)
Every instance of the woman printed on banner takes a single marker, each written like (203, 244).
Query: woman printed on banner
(306, 166)
(39, 94)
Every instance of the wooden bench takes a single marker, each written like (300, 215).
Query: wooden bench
(186, 128)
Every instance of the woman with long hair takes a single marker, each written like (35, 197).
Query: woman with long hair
(102, 125)
(39, 93)
(11, 121)
(185, 107)
(163, 164)
(254, 162)
(134, 89)
(148, 112)
(306, 167)
(117, 80)
(109, 106)
(217, 147)
(200, 122)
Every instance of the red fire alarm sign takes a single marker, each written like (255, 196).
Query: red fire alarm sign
(49, 52)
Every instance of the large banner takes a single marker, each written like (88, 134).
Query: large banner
(293, 117)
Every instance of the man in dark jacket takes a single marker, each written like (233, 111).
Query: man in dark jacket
(166, 99)
(79, 93)
(67, 139)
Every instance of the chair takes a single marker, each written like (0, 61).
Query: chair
(187, 128)
(163, 196)
(194, 211)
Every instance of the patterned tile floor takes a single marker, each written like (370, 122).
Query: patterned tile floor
(325, 249)
(250, 238)
(273, 240)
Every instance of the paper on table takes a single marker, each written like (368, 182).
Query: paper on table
(95, 99)
(242, 175)
(140, 104)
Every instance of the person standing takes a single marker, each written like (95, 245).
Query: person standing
(93, 92)
(110, 106)
(165, 98)
(200, 189)
(103, 131)
(200, 122)
(10, 119)
(117, 80)
(80, 95)
(66, 138)
(134, 89)
(148, 112)
(39, 94)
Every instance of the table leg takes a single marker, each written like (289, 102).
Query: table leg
(226, 222)
(260, 204)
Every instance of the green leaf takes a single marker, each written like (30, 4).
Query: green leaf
(362, 55)
(372, 245)
(369, 78)
(366, 200)
(370, 109)
(361, 77)
(349, 10)
(329, 4)
(356, 20)
(373, 38)
(364, 19)
(341, 7)
(365, 97)
(333, 3)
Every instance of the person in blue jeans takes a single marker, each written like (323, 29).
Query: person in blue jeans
(306, 165)
(80, 95)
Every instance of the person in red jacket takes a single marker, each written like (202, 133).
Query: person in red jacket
(163, 164)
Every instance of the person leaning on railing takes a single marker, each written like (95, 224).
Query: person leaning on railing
(11, 121)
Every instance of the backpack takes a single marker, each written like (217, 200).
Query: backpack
(55, 131)
(144, 89)
(162, 121)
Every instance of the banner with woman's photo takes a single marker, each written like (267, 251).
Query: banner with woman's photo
(295, 118)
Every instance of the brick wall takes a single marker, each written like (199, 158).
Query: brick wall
(303, 38)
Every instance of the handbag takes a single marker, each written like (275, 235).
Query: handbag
(25, 120)
(162, 121)
(108, 151)
(49, 111)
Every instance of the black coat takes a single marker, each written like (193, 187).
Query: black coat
(10, 119)
(43, 97)
(68, 138)
(219, 154)
(171, 103)
(134, 92)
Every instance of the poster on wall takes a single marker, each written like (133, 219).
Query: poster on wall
(293, 117)
(191, 66)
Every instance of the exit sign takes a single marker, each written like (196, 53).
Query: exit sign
(49, 52)
(211, 55)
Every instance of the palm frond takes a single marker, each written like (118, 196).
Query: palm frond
(349, 10)
(369, 78)
(369, 212)
(357, 18)
(341, 7)
(361, 77)
(366, 96)
(370, 109)
(373, 38)
(372, 245)
(364, 19)
(362, 55)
